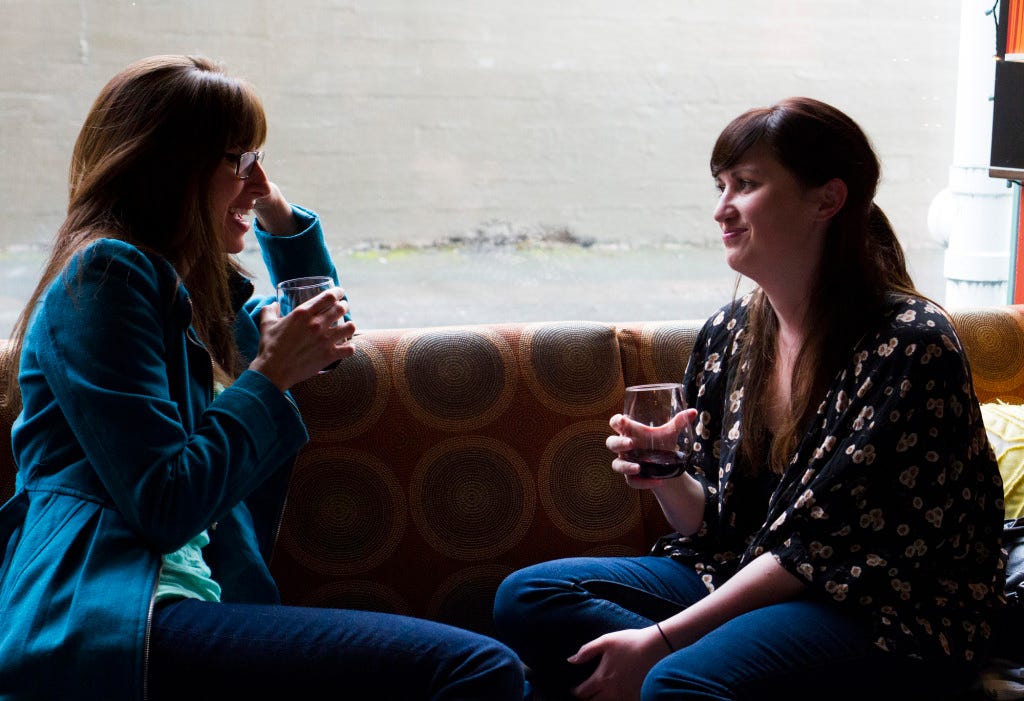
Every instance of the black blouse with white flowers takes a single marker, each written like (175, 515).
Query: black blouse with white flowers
(892, 504)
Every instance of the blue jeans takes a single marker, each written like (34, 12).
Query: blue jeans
(202, 650)
(801, 649)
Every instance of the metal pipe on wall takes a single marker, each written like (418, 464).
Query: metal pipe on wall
(973, 216)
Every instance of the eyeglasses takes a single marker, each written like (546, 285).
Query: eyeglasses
(244, 162)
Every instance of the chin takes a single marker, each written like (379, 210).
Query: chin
(234, 242)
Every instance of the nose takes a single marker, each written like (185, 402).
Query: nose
(724, 209)
(258, 184)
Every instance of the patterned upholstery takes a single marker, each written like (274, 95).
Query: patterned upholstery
(442, 459)
(992, 338)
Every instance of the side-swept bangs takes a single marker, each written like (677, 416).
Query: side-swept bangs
(738, 137)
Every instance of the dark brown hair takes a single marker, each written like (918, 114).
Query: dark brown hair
(862, 263)
(140, 172)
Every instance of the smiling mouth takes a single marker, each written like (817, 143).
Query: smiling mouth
(242, 215)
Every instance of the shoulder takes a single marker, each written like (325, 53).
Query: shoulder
(108, 274)
(914, 336)
(105, 253)
(118, 262)
(915, 322)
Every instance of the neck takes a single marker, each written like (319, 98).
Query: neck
(791, 308)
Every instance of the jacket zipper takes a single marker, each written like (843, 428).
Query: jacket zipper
(284, 502)
(149, 630)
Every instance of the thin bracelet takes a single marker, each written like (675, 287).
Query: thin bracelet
(665, 638)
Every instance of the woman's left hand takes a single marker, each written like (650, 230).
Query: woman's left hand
(626, 658)
(275, 213)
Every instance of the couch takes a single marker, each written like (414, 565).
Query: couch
(441, 459)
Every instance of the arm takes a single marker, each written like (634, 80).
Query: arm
(275, 215)
(296, 248)
(292, 243)
(627, 656)
(761, 583)
(111, 346)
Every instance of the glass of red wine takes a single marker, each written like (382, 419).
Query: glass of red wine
(658, 448)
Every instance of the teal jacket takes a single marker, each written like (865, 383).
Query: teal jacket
(124, 455)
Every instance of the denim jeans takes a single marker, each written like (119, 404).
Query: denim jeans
(801, 649)
(202, 650)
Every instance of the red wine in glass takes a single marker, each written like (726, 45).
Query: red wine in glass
(657, 464)
(660, 451)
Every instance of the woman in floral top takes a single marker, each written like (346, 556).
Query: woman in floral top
(838, 526)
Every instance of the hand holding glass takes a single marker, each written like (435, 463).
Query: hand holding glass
(659, 449)
(292, 293)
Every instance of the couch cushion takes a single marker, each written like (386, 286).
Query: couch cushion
(992, 340)
(442, 459)
(1004, 424)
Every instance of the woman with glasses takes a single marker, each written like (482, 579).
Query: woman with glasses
(837, 529)
(156, 434)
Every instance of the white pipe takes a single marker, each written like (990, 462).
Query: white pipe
(973, 216)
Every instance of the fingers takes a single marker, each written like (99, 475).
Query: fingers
(619, 444)
(330, 304)
(683, 419)
(271, 313)
(586, 653)
(625, 467)
(590, 685)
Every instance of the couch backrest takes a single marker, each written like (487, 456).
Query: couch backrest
(442, 459)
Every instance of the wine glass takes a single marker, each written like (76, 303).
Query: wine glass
(660, 450)
(292, 293)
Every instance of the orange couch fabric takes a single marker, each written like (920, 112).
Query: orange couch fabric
(442, 459)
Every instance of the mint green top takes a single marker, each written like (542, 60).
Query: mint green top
(186, 575)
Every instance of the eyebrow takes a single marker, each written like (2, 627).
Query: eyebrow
(735, 171)
(743, 167)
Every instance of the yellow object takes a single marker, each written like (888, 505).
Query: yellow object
(1004, 424)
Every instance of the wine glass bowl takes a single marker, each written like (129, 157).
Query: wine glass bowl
(292, 293)
(659, 449)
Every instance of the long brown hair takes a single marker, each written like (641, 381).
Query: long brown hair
(140, 172)
(862, 264)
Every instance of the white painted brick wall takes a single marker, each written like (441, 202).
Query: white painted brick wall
(412, 120)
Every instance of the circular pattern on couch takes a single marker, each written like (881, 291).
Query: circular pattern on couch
(346, 512)
(997, 361)
(350, 398)
(669, 345)
(358, 594)
(455, 379)
(472, 498)
(466, 599)
(573, 368)
(613, 550)
(579, 491)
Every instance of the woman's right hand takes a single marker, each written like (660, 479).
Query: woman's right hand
(298, 346)
(681, 498)
(627, 431)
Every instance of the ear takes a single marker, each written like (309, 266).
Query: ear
(830, 198)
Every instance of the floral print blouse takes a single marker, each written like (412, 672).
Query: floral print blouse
(892, 505)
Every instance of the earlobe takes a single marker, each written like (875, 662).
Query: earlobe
(832, 198)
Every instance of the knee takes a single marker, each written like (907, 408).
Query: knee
(511, 601)
(672, 678)
(503, 668)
